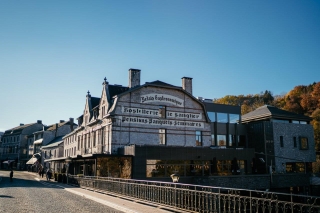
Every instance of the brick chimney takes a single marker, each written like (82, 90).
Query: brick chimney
(39, 121)
(61, 121)
(55, 135)
(21, 124)
(71, 124)
(134, 78)
(187, 84)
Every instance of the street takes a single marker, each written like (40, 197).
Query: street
(26, 194)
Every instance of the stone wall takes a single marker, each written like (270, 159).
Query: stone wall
(148, 134)
(289, 153)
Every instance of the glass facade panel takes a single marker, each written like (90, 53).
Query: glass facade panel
(280, 121)
(222, 140)
(241, 140)
(232, 140)
(212, 116)
(213, 141)
(222, 117)
(234, 118)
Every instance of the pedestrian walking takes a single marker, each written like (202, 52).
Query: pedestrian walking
(48, 174)
(11, 175)
(42, 172)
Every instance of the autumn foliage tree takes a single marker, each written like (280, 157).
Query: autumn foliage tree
(301, 99)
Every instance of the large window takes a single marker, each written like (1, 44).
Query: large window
(222, 140)
(212, 116)
(222, 117)
(213, 141)
(304, 143)
(198, 138)
(280, 121)
(162, 136)
(234, 118)
(241, 140)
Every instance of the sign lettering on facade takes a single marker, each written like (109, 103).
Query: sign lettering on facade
(184, 115)
(161, 122)
(155, 113)
(149, 98)
(139, 111)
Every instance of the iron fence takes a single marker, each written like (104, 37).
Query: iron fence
(197, 198)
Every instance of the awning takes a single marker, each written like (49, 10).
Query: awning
(37, 155)
(32, 161)
(39, 141)
(8, 161)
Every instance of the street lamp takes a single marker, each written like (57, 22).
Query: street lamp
(68, 160)
(175, 177)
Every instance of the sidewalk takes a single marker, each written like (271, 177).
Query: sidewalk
(123, 204)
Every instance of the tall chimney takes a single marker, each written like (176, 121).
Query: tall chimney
(71, 124)
(187, 84)
(55, 135)
(134, 78)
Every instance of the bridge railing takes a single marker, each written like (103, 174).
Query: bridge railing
(198, 198)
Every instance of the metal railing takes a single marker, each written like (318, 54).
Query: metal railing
(197, 198)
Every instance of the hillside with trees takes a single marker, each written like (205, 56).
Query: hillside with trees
(301, 99)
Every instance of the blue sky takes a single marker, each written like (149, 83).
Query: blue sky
(53, 52)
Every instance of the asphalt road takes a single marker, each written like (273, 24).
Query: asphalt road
(25, 194)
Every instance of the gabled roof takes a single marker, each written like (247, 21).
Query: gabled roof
(53, 126)
(116, 90)
(18, 128)
(160, 83)
(268, 112)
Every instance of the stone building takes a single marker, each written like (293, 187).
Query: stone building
(41, 145)
(283, 141)
(15, 144)
(155, 129)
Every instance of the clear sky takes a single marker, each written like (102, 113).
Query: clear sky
(53, 52)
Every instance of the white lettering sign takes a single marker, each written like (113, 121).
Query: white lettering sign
(195, 116)
(139, 111)
(161, 122)
(162, 98)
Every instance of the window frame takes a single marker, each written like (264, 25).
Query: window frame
(198, 135)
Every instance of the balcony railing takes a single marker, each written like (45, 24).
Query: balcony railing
(196, 198)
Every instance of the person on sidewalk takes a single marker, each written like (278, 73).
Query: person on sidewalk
(11, 175)
(48, 174)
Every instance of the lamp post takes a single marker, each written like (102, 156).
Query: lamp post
(175, 177)
(68, 160)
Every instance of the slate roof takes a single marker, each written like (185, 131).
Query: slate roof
(161, 83)
(268, 112)
(54, 143)
(53, 126)
(94, 102)
(18, 129)
(116, 90)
